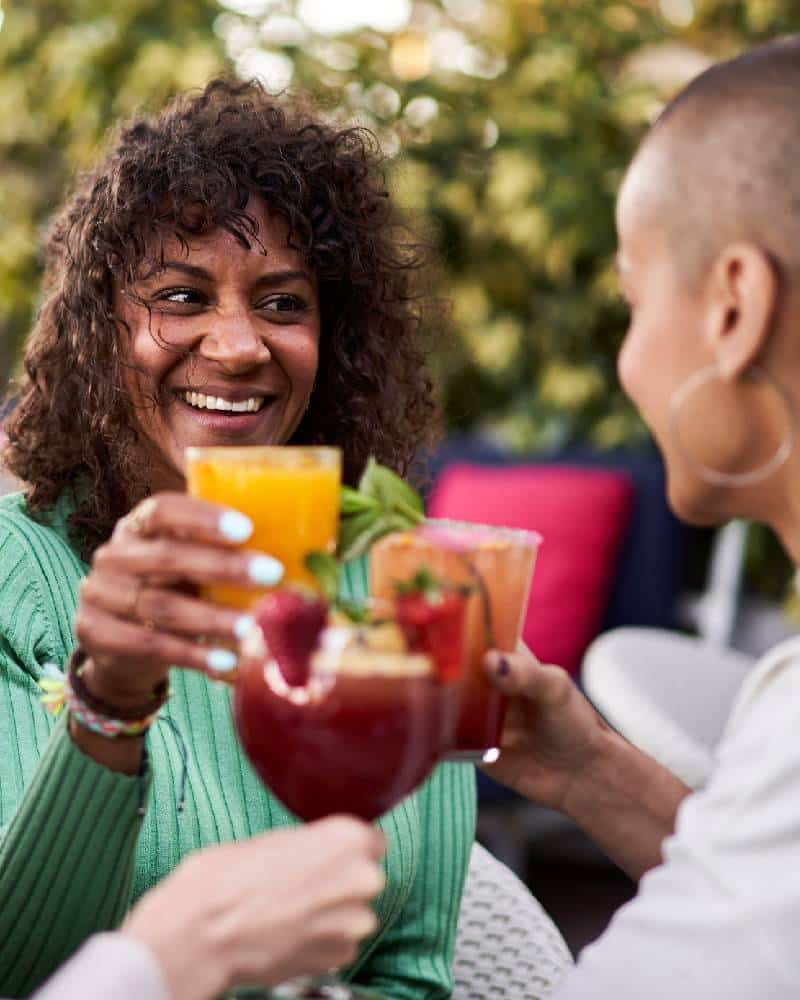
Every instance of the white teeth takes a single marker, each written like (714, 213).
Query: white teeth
(202, 402)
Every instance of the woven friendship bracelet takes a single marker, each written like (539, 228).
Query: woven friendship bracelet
(105, 725)
(93, 714)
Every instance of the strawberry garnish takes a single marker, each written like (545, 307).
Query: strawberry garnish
(291, 622)
(432, 619)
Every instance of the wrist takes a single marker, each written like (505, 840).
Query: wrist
(190, 970)
(121, 692)
(180, 928)
(595, 782)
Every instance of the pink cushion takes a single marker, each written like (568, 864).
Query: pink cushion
(580, 513)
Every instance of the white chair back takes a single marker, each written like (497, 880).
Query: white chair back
(507, 947)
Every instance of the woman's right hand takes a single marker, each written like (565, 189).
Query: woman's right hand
(557, 751)
(288, 903)
(139, 612)
(552, 736)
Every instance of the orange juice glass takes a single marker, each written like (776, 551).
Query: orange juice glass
(497, 564)
(291, 494)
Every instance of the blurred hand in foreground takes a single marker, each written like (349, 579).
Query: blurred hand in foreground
(291, 902)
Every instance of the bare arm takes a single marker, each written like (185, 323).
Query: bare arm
(627, 804)
(558, 752)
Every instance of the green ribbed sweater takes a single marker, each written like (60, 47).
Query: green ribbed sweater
(75, 851)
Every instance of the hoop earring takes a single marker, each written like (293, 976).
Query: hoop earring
(735, 479)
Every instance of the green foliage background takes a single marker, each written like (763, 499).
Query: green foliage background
(507, 144)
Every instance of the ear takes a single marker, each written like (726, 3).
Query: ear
(743, 298)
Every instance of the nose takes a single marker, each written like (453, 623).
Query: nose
(234, 343)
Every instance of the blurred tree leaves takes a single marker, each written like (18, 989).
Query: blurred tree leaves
(515, 119)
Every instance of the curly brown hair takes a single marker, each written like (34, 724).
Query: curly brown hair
(190, 169)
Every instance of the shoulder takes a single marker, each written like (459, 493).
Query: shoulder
(20, 529)
(756, 779)
(771, 691)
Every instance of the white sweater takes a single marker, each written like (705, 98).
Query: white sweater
(720, 918)
(107, 967)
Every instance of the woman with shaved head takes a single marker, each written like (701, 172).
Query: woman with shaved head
(708, 219)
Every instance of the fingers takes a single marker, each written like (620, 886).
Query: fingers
(352, 833)
(520, 674)
(109, 639)
(339, 930)
(185, 517)
(171, 561)
(162, 610)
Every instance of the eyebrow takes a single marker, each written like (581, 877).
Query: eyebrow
(269, 280)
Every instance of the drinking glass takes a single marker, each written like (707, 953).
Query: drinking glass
(354, 738)
(291, 494)
(497, 564)
(362, 732)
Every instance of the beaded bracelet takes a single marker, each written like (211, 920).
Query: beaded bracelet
(89, 712)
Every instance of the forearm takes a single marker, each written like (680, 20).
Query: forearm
(626, 803)
(66, 861)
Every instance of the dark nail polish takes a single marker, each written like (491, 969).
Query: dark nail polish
(503, 668)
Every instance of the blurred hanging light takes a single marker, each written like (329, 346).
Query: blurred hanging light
(491, 133)
(677, 12)
(464, 10)
(350, 15)
(420, 111)
(410, 56)
(251, 8)
(273, 69)
(282, 30)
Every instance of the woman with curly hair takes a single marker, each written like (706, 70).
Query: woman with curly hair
(233, 273)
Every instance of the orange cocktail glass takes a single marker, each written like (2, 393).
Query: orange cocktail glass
(497, 563)
(291, 494)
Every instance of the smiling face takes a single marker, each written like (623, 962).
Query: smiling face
(222, 346)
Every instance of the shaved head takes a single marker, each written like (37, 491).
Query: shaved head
(722, 163)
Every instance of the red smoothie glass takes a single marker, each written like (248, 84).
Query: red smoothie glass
(497, 564)
(358, 737)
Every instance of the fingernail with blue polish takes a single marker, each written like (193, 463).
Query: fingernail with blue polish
(265, 571)
(221, 660)
(235, 527)
(243, 625)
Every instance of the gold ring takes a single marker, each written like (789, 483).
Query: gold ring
(133, 602)
(133, 608)
(137, 520)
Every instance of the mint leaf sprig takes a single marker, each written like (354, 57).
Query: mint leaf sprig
(381, 504)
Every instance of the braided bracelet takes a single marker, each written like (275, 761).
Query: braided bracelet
(89, 712)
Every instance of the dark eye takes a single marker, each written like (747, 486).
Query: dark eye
(179, 297)
(283, 303)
